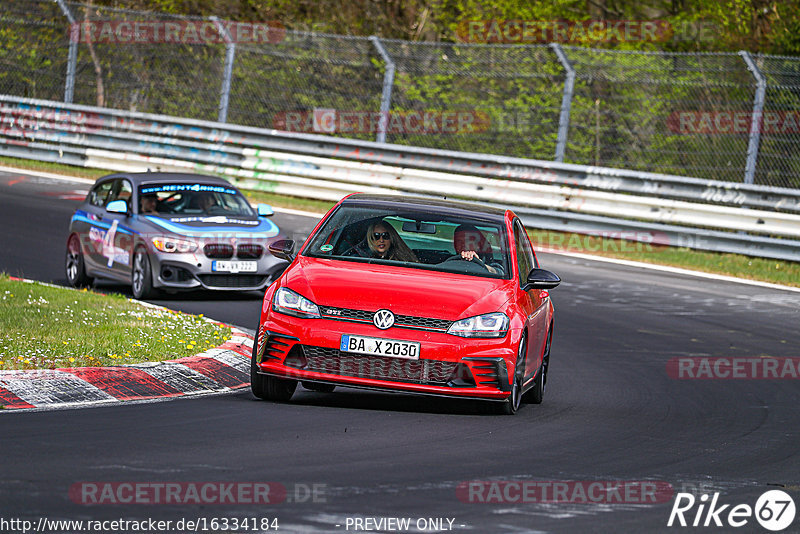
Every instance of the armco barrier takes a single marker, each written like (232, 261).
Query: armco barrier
(746, 219)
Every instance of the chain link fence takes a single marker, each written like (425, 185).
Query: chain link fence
(721, 116)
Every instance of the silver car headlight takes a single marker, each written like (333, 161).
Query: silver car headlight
(170, 244)
(291, 303)
(487, 325)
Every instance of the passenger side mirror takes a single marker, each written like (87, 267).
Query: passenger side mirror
(541, 279)
(283, 249)
(265, 210)
(117, 206)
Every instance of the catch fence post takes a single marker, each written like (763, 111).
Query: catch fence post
(230, 55)
(757, 118)
(72, 58)
(386, 95)
(566, 101)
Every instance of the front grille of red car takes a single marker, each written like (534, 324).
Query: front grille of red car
(400, 321)
(335, 362)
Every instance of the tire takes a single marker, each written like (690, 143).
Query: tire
(141, 275)
(268, 387)
(511, 405)
(257, 382)
(320, 388)
(74, 265)
(535, 395)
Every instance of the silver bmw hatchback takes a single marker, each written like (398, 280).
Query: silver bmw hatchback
(173, 232)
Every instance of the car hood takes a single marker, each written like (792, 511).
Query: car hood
(201, 226)
(403, 290)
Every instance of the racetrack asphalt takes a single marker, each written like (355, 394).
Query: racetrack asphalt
(612, 412)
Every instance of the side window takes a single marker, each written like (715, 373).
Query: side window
(122, 192)
(526, 246)
(525, 257)
(99, 195)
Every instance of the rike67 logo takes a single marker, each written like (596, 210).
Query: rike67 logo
(774, 510)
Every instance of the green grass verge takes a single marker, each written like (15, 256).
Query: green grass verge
(46, 327)
(761, 269)
(57, 168)
(283, 201)
(773, 271)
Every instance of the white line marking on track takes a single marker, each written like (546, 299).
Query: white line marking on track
(50, 175)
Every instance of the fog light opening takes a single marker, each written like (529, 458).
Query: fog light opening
(461, 377)
(296, 358)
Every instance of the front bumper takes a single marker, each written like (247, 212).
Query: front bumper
(451, 366)
(195, 271)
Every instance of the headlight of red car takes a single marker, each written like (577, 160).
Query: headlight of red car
(487, 325)
(291, 303)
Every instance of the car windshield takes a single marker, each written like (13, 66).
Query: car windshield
(193, 200)
(423, 240)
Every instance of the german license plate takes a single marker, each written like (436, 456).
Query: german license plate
(380, 347)
(234, 266)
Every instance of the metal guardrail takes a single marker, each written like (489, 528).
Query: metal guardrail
(660, 208)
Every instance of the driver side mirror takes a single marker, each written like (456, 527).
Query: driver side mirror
(265, 210)
(117, 206)
(283, 249)
(541, 279)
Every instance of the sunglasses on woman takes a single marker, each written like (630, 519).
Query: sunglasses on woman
(381, 235)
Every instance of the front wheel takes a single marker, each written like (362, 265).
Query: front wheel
(536, 394)
(511, 405)
(75, 266)
(142, 277)
(268, 387)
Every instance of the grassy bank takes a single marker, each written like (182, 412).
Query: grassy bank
(46, 327)
(761, 269)
(773, 271)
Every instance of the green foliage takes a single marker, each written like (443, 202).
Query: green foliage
(768, 26)
(620, 111)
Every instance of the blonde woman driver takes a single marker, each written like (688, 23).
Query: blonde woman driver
(385, 243)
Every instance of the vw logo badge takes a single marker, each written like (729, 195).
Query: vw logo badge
(383, 319)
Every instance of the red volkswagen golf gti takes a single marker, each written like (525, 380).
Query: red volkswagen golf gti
(409, 294)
